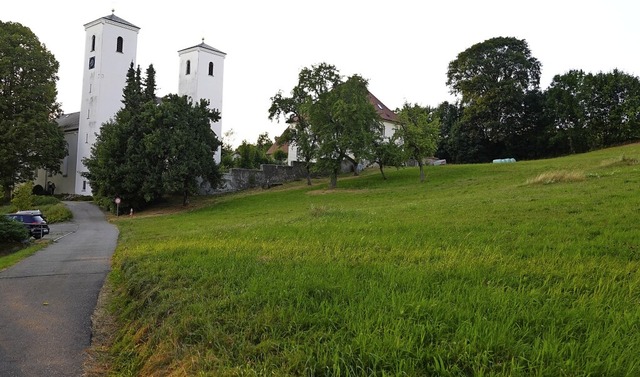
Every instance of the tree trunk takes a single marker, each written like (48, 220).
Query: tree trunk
(185, 197)
(308, 167)
(382, 171)
(334, 179)
(421, 171)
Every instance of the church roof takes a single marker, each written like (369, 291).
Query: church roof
(69, 122)
(112, 17)
(204, 46)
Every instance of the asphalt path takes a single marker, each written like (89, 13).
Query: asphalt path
(46, 300)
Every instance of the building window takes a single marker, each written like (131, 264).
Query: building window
(188, 72)
(86, 138)
(93, 43)
(210, 68)
(65, 165)
(84, 185)
(119, 45)
(92, 62)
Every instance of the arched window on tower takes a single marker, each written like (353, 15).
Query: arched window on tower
(93, 43)
(210, 68)
(188, 72)
(119, 44)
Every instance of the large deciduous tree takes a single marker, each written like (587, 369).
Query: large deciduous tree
(494, 79)
(593, 111)
(312, 83)
(419, 131)
(29, 136)
(346, 125)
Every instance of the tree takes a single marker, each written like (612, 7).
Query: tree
(280, 156)
(264, 142)
(449, 114)
(29, 136)
(388, 152)
(593, 111)
(191, 144)
(249, 156)
(419, 132)
(345, 124)
(494, 79)
(227, 151)
(116, 165)
(312, 83)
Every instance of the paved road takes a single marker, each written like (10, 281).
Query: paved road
(46, 301)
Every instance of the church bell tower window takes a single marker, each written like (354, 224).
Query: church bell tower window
(188, 72)
(210, 68)
(93, 43)
(119, 44)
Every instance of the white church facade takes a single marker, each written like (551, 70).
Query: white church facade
(110, 48)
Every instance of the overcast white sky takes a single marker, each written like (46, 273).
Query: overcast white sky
(402, 47)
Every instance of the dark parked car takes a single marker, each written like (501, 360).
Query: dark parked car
(37, 226)
(36, 212)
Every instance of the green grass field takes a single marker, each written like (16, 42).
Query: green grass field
(525, 269)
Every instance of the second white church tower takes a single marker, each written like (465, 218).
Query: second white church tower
(201, 72)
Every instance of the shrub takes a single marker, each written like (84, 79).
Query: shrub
(45, 200)
(12, 231)
(58, 213)
(22, 197)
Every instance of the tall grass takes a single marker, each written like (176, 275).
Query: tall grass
(475, 272)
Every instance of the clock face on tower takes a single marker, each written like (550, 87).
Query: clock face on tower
(92, 62)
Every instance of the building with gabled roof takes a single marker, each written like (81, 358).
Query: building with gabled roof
(389, 119)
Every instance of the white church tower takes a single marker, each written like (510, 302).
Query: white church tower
(110, 48)
(201, 73)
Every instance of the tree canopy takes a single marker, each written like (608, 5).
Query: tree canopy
(593, 111)
(29, 136)
(331, 119)
(419, 131)
(495, 79)
(345, 124)
(312, 83)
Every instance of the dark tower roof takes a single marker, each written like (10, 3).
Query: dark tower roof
(204, 46)
(112, 17)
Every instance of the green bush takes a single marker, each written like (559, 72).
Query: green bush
(22, 197)
(39, 201)
(12, 231)
(58, 213)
